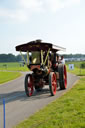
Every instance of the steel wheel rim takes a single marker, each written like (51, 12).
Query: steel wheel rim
(54, 84)
(30, 86)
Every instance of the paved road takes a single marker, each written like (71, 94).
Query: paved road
(19, 106)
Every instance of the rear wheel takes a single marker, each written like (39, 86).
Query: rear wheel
(52, 83)
(62, 76)
(29, 85)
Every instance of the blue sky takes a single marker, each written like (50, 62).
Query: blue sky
(61, 22)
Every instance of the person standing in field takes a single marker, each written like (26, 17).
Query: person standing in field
(62, 60)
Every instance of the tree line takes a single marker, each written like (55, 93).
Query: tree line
(12, 58)
(9, 58)
(74, 55)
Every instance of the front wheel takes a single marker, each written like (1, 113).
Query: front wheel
(29, 85)
(52, 83)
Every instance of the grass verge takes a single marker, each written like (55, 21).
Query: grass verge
(77, 71)
(66, 112)
(7, 76)
(15, 66)
(77, 68)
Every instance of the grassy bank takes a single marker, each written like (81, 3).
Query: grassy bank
(77, 68)
(66, 112)
(77, 71)
(7, 76)
(15, 66)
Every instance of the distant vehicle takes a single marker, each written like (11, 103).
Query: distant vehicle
(41, 60)
(74, 59)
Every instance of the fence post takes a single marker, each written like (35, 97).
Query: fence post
(3, 113)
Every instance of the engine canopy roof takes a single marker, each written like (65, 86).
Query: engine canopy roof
(38, 45)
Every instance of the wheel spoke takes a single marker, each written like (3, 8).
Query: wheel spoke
(54, 84)
(29, 85)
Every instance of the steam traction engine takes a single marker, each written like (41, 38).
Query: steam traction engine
(41, 60)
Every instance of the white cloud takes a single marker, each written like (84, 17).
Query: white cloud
(3, 12)
(46, 5)
(26, 8)
(23, 11)
(31, 4)
(19, 15)
(15, 15)
(55, 5)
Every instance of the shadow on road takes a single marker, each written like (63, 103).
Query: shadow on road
(45, 93)
(21, 95)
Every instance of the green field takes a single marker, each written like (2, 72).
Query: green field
(77, 68)
(13, 67)
(7, 76)
(19, 67)
(66, 112)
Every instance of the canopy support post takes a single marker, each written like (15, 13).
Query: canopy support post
(47, 56)
(23, 58)
(28, 57)
(42, 57)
